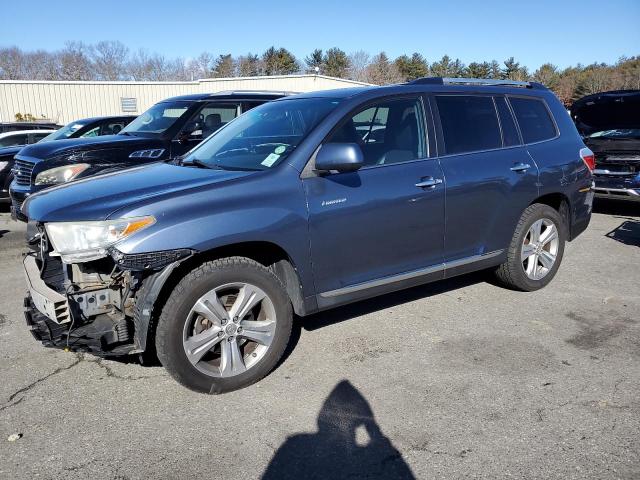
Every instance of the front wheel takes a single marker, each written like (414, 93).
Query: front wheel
(225, 325)
(535, 251)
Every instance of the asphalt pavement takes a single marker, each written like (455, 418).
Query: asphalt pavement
(460, 379)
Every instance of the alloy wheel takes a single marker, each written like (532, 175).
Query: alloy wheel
(229, 329)
(540, 249)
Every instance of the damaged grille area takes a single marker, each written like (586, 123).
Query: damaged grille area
(617, 165)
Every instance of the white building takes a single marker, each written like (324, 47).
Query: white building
(63, 102)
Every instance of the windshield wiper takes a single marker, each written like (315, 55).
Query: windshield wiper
(197, 163)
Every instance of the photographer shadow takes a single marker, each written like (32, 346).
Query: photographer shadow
(348, 444)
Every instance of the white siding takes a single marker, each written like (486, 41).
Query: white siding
(64, 102)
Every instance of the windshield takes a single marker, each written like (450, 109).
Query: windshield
(617, 133)
(264, 136)
(64, 132)
(158, 118)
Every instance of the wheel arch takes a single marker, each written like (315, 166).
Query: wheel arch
(559, 202)
(156, 288)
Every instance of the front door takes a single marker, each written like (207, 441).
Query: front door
(386, 219)
(207, 120)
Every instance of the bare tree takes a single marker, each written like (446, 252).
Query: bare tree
(358, 63)
(11, 64)
(381, 71)
(74, 62)
(249, 65)
(109, 59)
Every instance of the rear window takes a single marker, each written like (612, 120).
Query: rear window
(469, 123)
(533, 117)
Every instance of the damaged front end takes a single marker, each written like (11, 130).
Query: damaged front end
(99, 305)
(610, 125)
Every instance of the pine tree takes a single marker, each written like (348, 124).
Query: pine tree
(412, 68)
(336, 63)
(315, 60)
(225, 67)
(479, 70)
(279, 62)
(511, 70)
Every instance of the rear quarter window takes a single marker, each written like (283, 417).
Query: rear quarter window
(469, 123)
(534, 119)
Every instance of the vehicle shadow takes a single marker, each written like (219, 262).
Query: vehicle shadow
(609, 206)
(348, 444)
(627, 232)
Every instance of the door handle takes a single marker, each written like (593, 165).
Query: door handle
(520, 167)
(429, 182)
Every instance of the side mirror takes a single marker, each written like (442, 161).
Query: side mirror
(342, 157)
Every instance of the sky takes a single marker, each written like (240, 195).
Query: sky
(534, 32)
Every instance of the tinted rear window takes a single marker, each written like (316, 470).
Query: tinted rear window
(509, 130)
(534, 119)
(469, 123)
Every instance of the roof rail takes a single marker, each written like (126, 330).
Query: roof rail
(259, 92)
(475, 81)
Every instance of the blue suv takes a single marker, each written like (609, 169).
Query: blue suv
(300, 205)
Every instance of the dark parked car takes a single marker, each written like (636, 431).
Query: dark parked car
(15, 126)
(295, 207)
(85, 128)
(168, 129)
(610, 125)
(21, 137)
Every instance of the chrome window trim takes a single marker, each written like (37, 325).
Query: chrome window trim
(409, 275)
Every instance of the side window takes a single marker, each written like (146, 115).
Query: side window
(509, 131)
(36, 137)
(111, 128)
(94, 132)
(534, 119)
(12, 140)
(391, 131)
(249, 105)
(469, 123)
(210, 118)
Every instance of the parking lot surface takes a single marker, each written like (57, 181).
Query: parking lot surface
(450, 380)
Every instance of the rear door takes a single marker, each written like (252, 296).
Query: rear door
(490, 178)
(387, 218)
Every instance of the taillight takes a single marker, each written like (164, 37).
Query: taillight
(588, 158)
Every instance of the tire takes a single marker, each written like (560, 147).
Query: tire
(526, 270)
(182, 326)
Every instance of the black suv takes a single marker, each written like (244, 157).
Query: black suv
(610, 125)
(168, 129)
(84, 128)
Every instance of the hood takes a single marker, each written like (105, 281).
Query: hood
(46, 150)
(98, 197)
(607, 111)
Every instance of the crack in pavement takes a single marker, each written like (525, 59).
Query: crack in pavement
(19, 395)
(112, 374)
(11, 403)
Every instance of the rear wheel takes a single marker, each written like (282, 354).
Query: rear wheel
(225, 325)
(536, 249)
